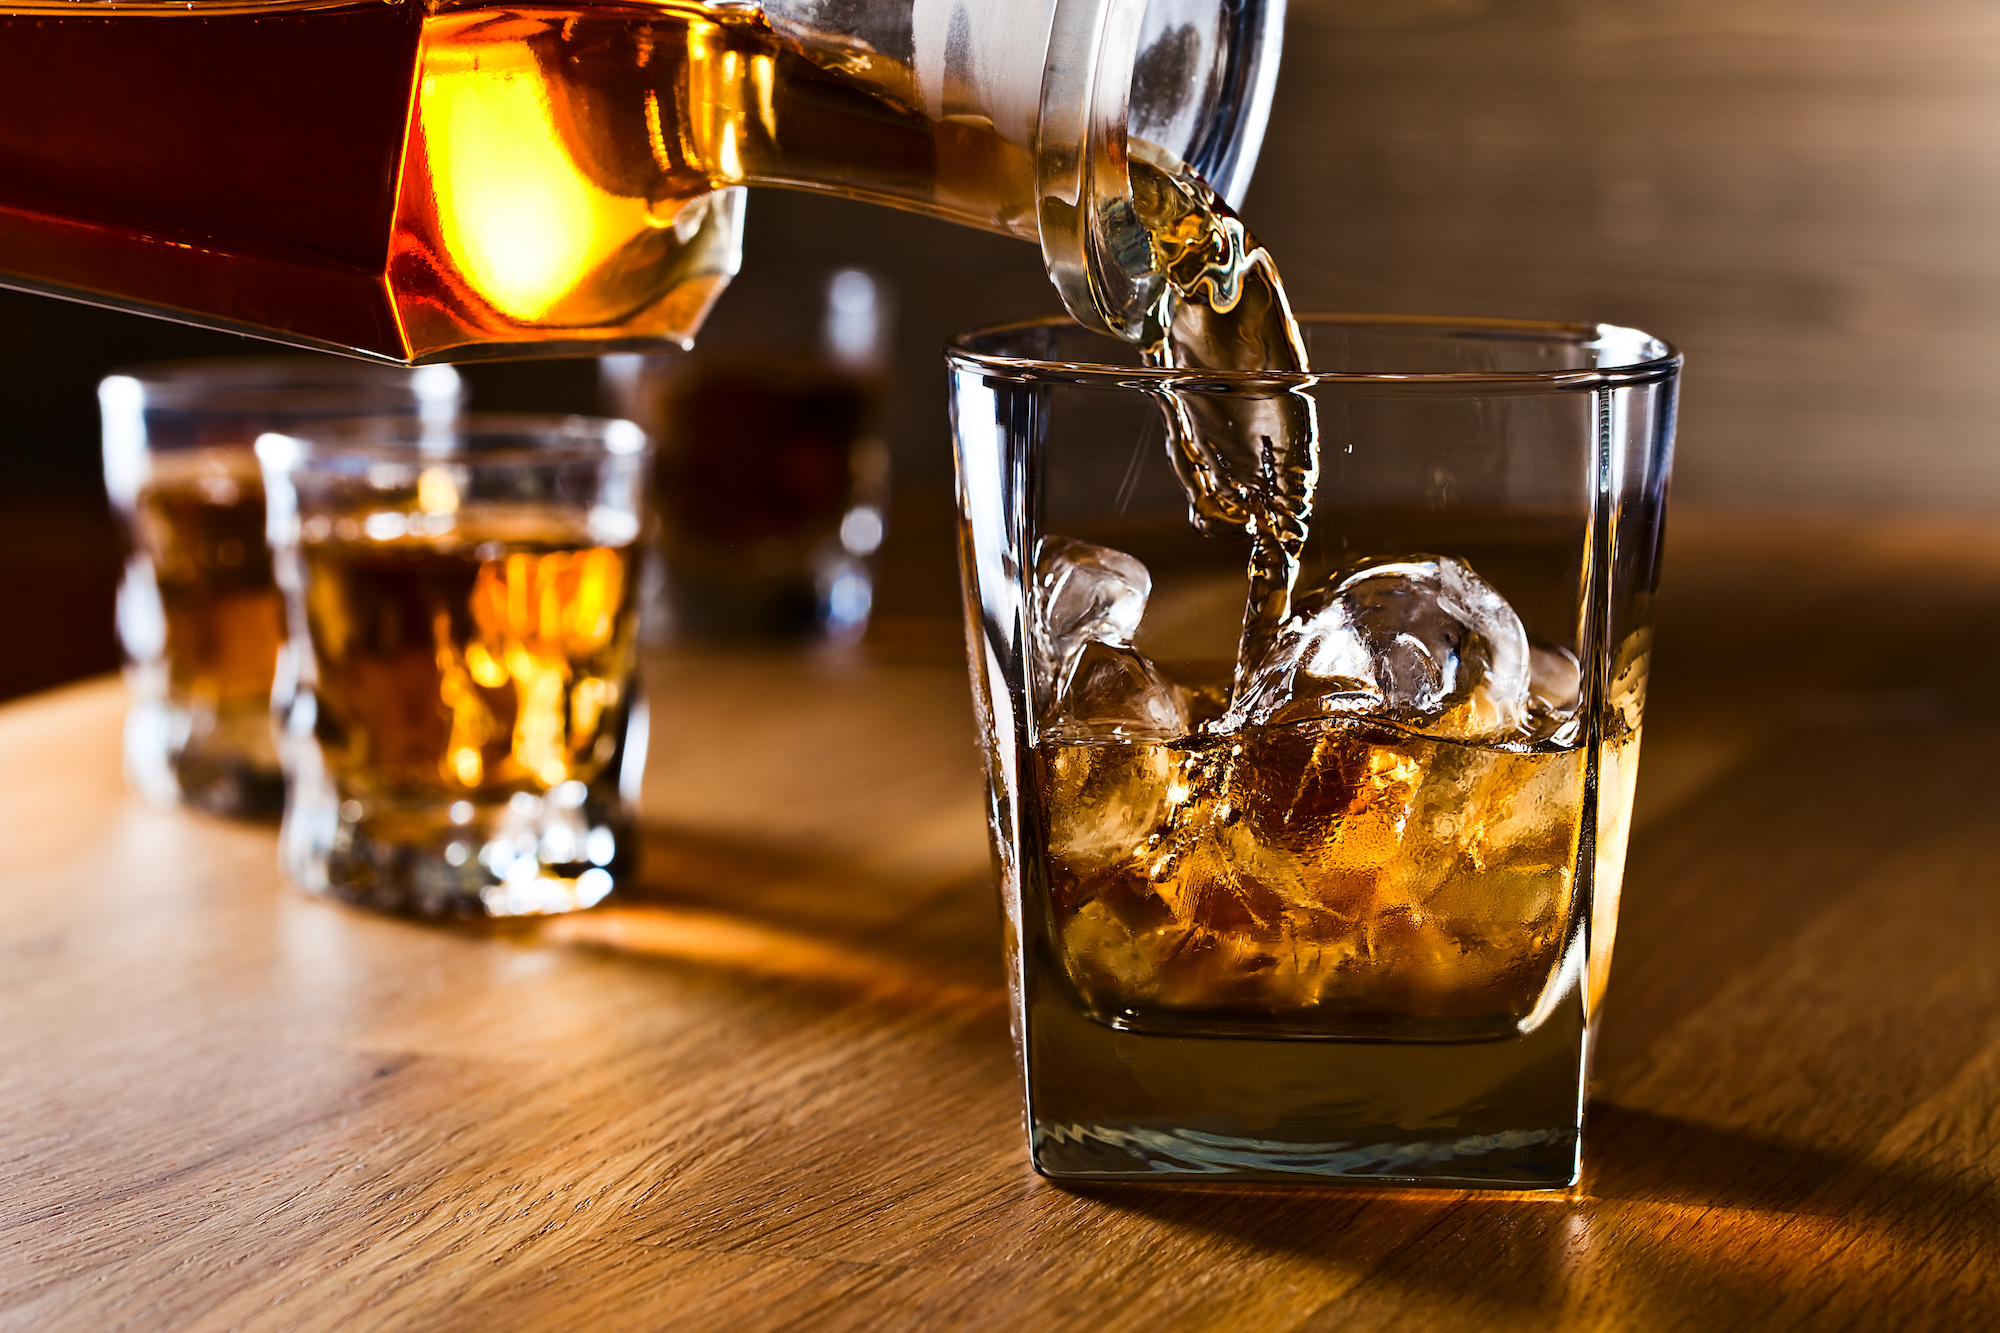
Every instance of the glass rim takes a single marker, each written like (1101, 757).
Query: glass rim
(277, 387)
(1654, 360)
(536, 439)
(210, 382)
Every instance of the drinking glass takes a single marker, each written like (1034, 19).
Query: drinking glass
(199, 617)
(467, 735)
(1343, 909)
(771, 477)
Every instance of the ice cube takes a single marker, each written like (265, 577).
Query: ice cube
(1106, 804)
(1421, 641)
(1084, 594)
(1113, 690)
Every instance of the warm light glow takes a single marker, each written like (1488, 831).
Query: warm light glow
(753, 949)
(472, 722)
(437, 493)
(726, 155)
(539, 734)
(537, 616)
(720, 94)
(763, 75)
(516, 214)
(656, 134)
(485, 668)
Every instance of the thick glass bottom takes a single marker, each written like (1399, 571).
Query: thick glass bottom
(224, 764)
(1106, 1104)
(521, 855)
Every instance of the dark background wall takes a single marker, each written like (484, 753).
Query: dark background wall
(1805, 194)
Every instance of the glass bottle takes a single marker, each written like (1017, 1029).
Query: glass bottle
(428, 180)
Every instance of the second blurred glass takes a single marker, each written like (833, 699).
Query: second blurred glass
(467, 735)
(199, 617)
(771, 482)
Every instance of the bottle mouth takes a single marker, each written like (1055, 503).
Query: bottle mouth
(1191, 78)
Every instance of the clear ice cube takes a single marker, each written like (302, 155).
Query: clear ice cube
(1345, 879)
(1113, 690)
(1421, 641)
(1084, 594)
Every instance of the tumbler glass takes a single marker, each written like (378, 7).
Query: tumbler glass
(771, 477)
(200, 620)
(1339, 906)
(467, 734)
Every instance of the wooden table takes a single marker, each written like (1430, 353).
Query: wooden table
(778, 1092)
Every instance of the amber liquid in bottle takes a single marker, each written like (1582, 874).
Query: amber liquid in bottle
(446, 181)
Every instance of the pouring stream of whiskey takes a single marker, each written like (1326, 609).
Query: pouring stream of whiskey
(1248, 460)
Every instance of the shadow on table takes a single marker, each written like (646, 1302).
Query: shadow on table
(825, 924)
(1676, 1221)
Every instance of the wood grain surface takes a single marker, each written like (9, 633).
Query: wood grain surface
(777, 1092)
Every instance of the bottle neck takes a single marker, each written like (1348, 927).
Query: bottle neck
(1185, 83)
(1031, 104)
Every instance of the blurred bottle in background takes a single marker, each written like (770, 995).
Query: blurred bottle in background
(772, 482)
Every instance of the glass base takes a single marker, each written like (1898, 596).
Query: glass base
(1108, 1104)
(522, 855)
(225, 765)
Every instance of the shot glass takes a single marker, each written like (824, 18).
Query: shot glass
(1335, 899)
(199, 616)
(772, 478)
(467, 734)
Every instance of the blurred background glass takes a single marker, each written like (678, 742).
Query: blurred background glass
(467, 734)
(772, 480)
(199, 615)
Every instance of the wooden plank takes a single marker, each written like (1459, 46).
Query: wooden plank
(777, 1090)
